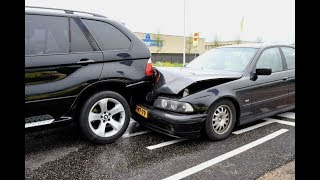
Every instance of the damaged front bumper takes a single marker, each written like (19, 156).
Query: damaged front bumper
(170, 123)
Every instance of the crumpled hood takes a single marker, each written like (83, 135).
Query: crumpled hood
(173, 80)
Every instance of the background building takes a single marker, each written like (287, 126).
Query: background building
(169, 48)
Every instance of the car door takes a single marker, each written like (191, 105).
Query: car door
(289, 56)
(57, 64)
(270, 92)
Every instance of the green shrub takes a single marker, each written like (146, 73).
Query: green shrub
(167, 64)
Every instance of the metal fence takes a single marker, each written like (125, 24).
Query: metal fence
(173, 58)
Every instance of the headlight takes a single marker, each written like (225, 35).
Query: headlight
(173, 105)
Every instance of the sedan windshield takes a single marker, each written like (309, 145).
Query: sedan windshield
(229, 59)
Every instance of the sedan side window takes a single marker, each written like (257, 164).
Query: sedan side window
(289, 54)
(270, 58)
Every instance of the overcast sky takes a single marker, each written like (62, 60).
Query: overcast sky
(272, 20)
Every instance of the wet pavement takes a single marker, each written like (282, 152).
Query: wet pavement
(62, 153)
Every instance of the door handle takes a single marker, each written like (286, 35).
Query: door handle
(284, 78)
(85, 61)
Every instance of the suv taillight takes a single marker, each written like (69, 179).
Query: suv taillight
(149, 69)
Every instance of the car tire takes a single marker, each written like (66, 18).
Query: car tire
(221, 120)
(104, 117)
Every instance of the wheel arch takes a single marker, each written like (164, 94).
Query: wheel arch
(116, 85)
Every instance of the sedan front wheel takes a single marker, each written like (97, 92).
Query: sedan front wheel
(221, 120)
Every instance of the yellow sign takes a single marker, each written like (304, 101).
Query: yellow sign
(195, 39)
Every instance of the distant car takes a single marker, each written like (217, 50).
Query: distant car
(219, 90)
(83, 67)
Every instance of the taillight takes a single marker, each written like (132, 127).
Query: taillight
(149, 70)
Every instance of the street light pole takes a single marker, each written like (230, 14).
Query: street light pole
(184, 32)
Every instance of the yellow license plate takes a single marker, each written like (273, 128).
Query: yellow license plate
(142, 111)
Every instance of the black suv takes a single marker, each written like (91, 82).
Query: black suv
(83, 67)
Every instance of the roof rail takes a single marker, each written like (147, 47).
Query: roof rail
(66, 11)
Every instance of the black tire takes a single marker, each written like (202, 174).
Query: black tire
(84, 117)
(209, 130)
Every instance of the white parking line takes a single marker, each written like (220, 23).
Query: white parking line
(165, 144)
(225, 156)
(252, 127)
(280, 121)
(134, 134)
(290, 115)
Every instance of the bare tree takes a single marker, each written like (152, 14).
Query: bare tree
(159, 42)
(216, 42)
(238, 40)
(189, 44)
(259, 39)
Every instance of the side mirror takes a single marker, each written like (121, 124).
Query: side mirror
(260, 71)
(263, 71)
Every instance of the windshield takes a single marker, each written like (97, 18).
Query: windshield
(229, 59)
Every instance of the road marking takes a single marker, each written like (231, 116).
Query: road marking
(225, 156)
(252, 127)
(280, 121)
(134, 134)
(290, 115)
(165, 144)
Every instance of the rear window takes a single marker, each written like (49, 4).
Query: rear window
(107, 36)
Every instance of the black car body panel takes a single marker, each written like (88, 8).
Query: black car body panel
(253, 98)
(54, 82)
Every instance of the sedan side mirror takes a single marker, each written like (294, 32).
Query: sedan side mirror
(260, 71)
(263, 71)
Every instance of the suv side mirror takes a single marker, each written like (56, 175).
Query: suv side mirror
(263, 71)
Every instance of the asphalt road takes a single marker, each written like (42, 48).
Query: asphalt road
(249, 153)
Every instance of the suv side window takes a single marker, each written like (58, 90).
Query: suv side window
(107, 36)
(46, 35)
(270, 58)
(289, 54)
(79, 42)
